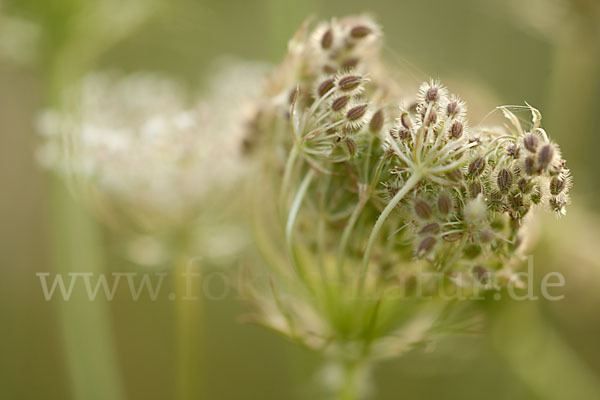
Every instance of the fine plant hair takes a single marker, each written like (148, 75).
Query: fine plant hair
(370, 205)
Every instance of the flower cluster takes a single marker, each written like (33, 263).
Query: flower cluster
(376, 195)
(145, 149)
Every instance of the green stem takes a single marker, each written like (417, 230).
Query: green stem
(346, 236)
(92, 361)
(408, 185)
(188, 315)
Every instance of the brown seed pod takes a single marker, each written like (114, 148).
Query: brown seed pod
(327, 39)
(422, 209)
(444, 204)
(545, 156)
(356, 112)
(432, 228)
(339, 103)
(456, 130)
(477, 166)
(349, 82)
(325, 87)
(425, 246)
(360, 31)
(475, 188)
(530, 141)
(505, 180)
(376, 122)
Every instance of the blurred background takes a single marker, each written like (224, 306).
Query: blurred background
(491, 52)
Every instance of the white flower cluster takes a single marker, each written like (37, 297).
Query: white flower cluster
(145, 146)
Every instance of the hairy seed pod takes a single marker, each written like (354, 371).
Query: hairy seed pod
(545, 156)
(525, 185)
(514, 150)
(452, 237)
(455, 175)
(530, 142)
(360, 31)
(477, 166)
(557, 185)
(402, 133)
(325, 87)
(356, 112)
(376, 122)
(425, 246)
(327, 39)
(432, 228)
(339, 103)
(405, 120)
(557, 203)
(530, 165)
(350, 63)
(456, 130)
(432, 95)
(349, 82)
(444, 204)
(453, 108)
(351, 146)
(475, 188)
(504, 180)
(422, 209)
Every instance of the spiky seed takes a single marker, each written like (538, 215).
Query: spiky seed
(456, 130)
(530, 165)
(505, 180)
(557, 185)
(425, 246)
(525, 185)
(376, 122)
(360, 31)
(351, 146)
(405, 120)
(545, 156)
(530, 142)
(339, 103)
(432, 228)
(513, 150)
(349, 63)
(455, 175)
(349, 82)
(422, 209)
(444, 204)
(432, 95)
(325, 87)
(453, 108)
(475, 188)
(477, 166)
(356, 112)
(327, 39)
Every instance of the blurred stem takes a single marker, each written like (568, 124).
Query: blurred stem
(408, 185)
(89, 343)
(188, 312)
(351, 384)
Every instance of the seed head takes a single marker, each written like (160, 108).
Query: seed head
(530, 142)
(444, 204)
